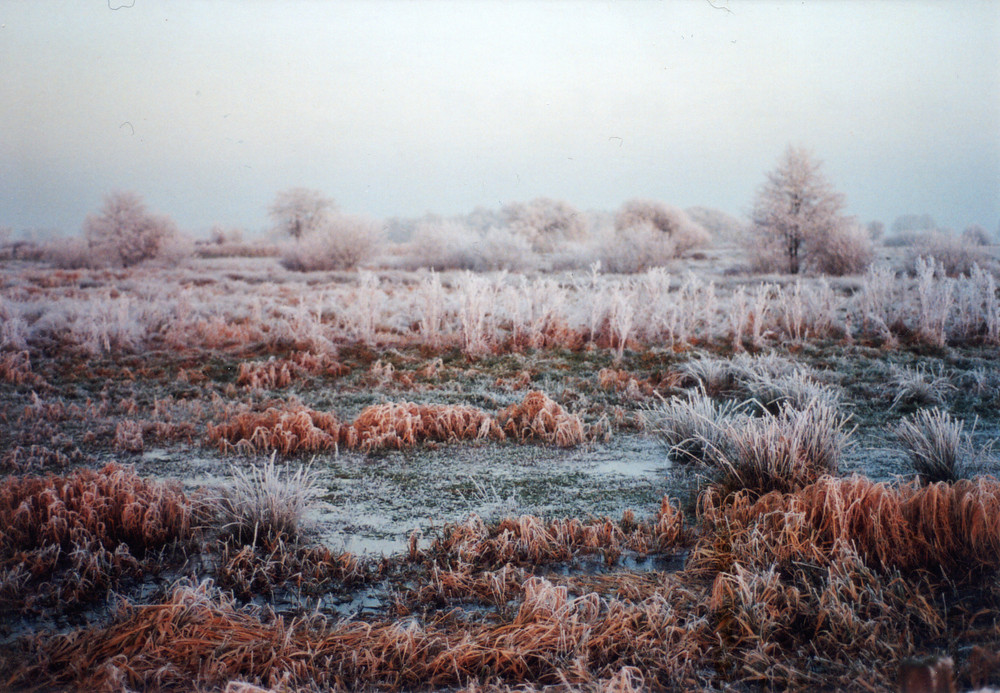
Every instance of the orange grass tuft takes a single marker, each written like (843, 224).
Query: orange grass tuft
(527, 540)
(249, 571)
(289, 430)
(265, 375)
(399, 425)
(539, 418)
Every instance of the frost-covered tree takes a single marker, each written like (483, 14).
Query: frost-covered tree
(794, 210)
(299, 211)
(125, 232)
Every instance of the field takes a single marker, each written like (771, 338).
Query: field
(231, 476)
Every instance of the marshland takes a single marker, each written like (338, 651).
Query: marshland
(224, 472)
(654, 402)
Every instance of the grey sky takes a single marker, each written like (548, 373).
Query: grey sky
(208, 108)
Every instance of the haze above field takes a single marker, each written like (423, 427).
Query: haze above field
(393, 109)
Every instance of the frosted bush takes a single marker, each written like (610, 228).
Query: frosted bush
(444, 245)
(503, 249)
(674, 223)
(954, 256)
(636, 249)
(843, 249)
(340, 242)
(125, 233)
(545, 223)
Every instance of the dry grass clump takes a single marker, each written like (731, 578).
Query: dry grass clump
(265, 375)
(779, 452)
(249, 571)
(288, 430)
(80, 533)
(798, 390)
(279, 373)
(22, 459)
(938, 446)
(916, 386)
(713, 375)
(691, 426)
(632, 387)
(15, 368)
(391, 425)
(195, 637)
(949, 527)
(399, 425)
(539, 418)
(464, 584)
(528, 540)
(264, 506)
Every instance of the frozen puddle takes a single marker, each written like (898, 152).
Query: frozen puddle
(375, 502)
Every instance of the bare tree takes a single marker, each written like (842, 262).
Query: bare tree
(793, 212)
(299, 211)
(125, 232)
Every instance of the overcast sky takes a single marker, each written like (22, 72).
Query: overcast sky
(208, 108)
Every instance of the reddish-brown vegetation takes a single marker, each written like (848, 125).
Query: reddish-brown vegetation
(295, 428)
(953, 527)
(527, 540)
(289, 430)
(399, 425)
(71, 537)
(539, 418)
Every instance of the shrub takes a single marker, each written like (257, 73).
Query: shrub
(720, 226)
(636, 249)
(954, 255)
(876, 230)
(842, 249)
(545, 223)
(340, 242)
(70, 253)
(124, 233)
(503, 249)
(976, 235)
(444, 245)
(684, 234)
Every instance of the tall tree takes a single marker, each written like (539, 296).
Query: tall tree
(299, 211)
(796, 208)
